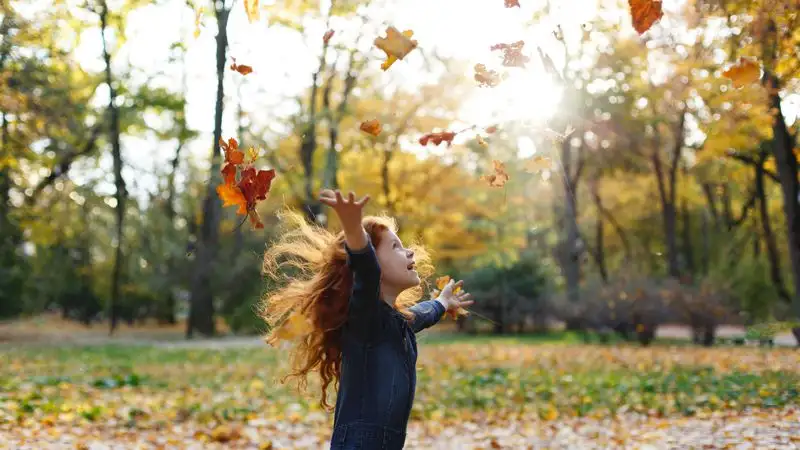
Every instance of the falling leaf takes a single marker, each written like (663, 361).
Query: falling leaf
(438, 138)
(744, 72)
(251, 8)
(488, 78)
(252, 154)
(491, 129)
(512, 54)
(253, 185)
(296, 325)
(499, 177)
(231, 195)
(644, 13)
(396, 45)
(481, 141)
(536, 163)
(372, 127)
(232, 153)
(327, 36)
(198, 17)
(512, 3)
(241, 68)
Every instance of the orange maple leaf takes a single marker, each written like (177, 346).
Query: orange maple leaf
(327, 36)
(372, 127)
(491, 129)
(438, 138)
(488, 78)
(644, 13)
(229, 174)
(232, 153)
(441, 282)
(512, 54)
(396, 45)
(231, 195)
(512, 3)
(744, 72)
(499, 177)
(241, 68)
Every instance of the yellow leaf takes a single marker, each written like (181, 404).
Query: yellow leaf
(198, 17)
(252, 154)
(396, 45)
(744, 72)
(482, 142)
(536, 163)
(251, 8)
(296, 325)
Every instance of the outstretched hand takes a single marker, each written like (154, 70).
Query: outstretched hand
(350, 212)
(453, 298)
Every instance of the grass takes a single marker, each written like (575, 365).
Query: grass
(550, 376)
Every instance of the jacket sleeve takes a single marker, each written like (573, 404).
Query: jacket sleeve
(426, 314)
(366, 280)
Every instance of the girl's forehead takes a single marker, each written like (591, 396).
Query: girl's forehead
(389, 236)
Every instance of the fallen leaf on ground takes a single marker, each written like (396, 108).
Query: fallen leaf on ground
(644, 13)
(745, 71)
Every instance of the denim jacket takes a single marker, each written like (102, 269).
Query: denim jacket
(379, 356)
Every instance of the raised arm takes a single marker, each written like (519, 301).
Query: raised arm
(361, 256)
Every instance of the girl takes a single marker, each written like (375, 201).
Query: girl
(356, 289)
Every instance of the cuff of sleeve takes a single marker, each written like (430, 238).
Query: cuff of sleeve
(360, 256)
(440, 309)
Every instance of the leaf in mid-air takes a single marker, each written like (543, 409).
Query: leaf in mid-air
(745, 71)
(644, 13)
(396, 45)
(372, 127)
(499, 177)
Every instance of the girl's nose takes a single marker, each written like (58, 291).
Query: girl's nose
(411, 253)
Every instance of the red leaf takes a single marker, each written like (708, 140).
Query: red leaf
(229, 174)
(512, 3)
(327, 36)
(644, 13)
(438, 138)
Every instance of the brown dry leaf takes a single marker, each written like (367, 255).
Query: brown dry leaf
(327, 36)
(512, 54)
(491, 129)
(644, 13)
(744, 72)
(487, 78)
(512, 3)
(537, 163)
(251, 8)
(241, 68)
(499, 177)
(372, 127)
(396, 45)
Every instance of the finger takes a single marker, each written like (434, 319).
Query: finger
(449, 286)
(458, 284)
(464, 296)
(326, 193)
(363, 201)
(328, 201)
(466, 303)
(339, 198)
(351, 198)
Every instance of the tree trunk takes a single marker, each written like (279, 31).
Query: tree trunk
(688, 252)
(330, 178)
(600, 257)
(769, 236)
(571, 248)
(201, 300)
(666, 183)
(119, 182)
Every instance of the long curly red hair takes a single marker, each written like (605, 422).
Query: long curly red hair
(309, 265)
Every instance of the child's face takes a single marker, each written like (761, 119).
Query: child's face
(397, 263)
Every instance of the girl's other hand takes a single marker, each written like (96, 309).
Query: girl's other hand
(451, 300)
